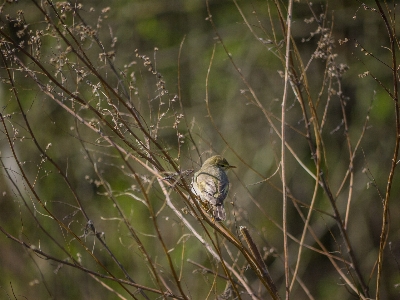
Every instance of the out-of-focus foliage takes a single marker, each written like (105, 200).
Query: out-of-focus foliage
(189, 66)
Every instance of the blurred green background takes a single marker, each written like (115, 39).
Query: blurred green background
(167, 26)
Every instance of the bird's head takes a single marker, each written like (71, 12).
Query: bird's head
(219, 161)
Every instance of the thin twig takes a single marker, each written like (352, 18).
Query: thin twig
(283, 149)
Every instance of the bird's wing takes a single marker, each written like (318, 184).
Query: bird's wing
(208, 190)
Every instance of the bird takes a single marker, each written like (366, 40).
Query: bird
(211, 184)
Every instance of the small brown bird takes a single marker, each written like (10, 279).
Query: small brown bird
(211, 184)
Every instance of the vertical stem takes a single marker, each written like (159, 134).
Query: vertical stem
(385, 217)
(283, 158)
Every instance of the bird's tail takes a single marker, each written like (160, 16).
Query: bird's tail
(219, 213)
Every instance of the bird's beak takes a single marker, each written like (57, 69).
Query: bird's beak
(231, 167)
